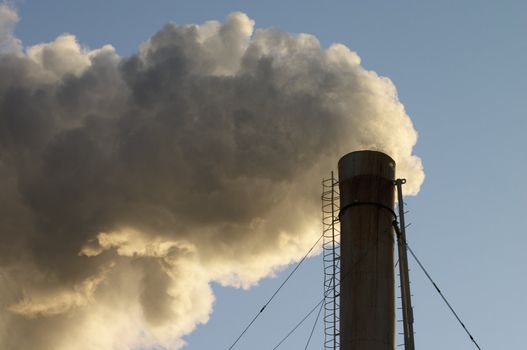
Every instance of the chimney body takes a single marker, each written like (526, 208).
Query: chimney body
(367, 315)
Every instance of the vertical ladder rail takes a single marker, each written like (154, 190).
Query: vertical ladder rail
(408, 319)
(331, 257)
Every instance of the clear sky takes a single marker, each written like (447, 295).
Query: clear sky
(460, 68)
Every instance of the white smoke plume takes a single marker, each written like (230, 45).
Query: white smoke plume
(129, 184)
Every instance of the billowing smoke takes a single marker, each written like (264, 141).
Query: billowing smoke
(129, 184)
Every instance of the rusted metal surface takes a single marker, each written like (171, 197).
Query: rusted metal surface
(367, 316)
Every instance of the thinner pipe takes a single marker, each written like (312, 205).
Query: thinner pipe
(408, 318)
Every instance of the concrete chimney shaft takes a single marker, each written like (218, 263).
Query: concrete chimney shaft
(367, 316)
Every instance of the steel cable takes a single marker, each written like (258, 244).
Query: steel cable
(275, 293)
(442, 296)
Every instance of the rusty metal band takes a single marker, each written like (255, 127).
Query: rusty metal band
(356, 204)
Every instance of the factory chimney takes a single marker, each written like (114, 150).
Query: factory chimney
(367, 316)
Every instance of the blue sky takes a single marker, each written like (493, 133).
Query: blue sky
(460, 70)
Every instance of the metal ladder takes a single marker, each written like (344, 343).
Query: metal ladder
(331, 257)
